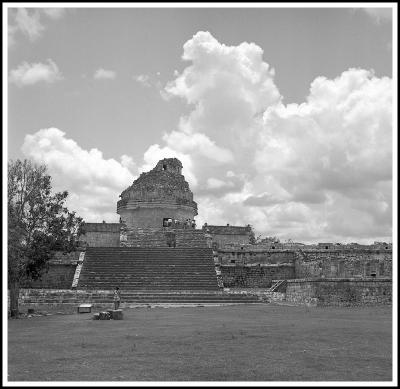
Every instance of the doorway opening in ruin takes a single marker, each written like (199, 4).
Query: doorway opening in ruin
(167, 222)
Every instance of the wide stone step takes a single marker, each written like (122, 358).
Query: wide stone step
(148, 266)
(172, 272)
(149, 286)
(143, 297)
(154, 282)
(153, 259)
(144, 280)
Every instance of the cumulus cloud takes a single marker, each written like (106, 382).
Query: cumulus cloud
(316, 171)
(103, 74)
(151, 82)
(29, 22)
(294, 166)
(31, 73)
(94, 182)
(143, 79)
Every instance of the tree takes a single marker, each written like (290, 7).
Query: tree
(253, 239)
(38, 225)
(270, 239)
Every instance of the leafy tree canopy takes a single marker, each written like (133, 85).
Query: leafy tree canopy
(39, 223)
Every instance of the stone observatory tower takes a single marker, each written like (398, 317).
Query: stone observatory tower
(158, 208)
(158, 198)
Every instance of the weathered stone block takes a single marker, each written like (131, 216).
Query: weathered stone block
(117, 314)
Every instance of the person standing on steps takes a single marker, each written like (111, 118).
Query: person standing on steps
(117, 298)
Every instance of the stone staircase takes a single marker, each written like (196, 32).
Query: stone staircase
(177, 276)
(278, 286)
(141, 268)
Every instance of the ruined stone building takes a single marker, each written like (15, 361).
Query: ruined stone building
(157, 246)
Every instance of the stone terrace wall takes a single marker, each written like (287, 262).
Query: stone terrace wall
(191, 238)
(227, 235)
(101, 234)
(164, 237)
(343, 263)
(339, 291)
(59, 274)
(32, 297)
(254, 276)
(253, 255)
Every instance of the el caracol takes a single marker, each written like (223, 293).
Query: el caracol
(156, 254)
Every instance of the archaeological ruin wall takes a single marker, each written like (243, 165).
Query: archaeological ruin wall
(253, 266)
(58, 275)
(228, 235)
(101, 235)
(343, 263)
(339, 292)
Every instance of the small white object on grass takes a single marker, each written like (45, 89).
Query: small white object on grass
(85, 308)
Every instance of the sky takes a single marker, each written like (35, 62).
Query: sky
(282, 117)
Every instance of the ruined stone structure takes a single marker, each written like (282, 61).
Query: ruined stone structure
(228, 235)
(158, 210)
(158, 198)
(157, 251)
(101, 234)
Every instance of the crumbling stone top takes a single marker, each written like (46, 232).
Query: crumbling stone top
(164, 183)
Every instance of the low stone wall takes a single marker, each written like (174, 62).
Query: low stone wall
(254, 276)
(57, 277)
(339, 291)
(34, 297)
(59, 274)
(101, 234)
(265, 295)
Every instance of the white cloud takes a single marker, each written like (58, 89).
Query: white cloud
(30, 74)
(103, 74)
(94, 183)
(143, 79)
(29, 22)
(54, 13)
(215, 183)
(294, 168)
(316, 171)
(379, 15)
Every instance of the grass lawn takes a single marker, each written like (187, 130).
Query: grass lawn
(229, 343)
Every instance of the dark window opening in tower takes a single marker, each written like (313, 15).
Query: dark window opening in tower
(164, 167)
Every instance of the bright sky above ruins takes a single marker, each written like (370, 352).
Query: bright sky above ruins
(282, 118)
